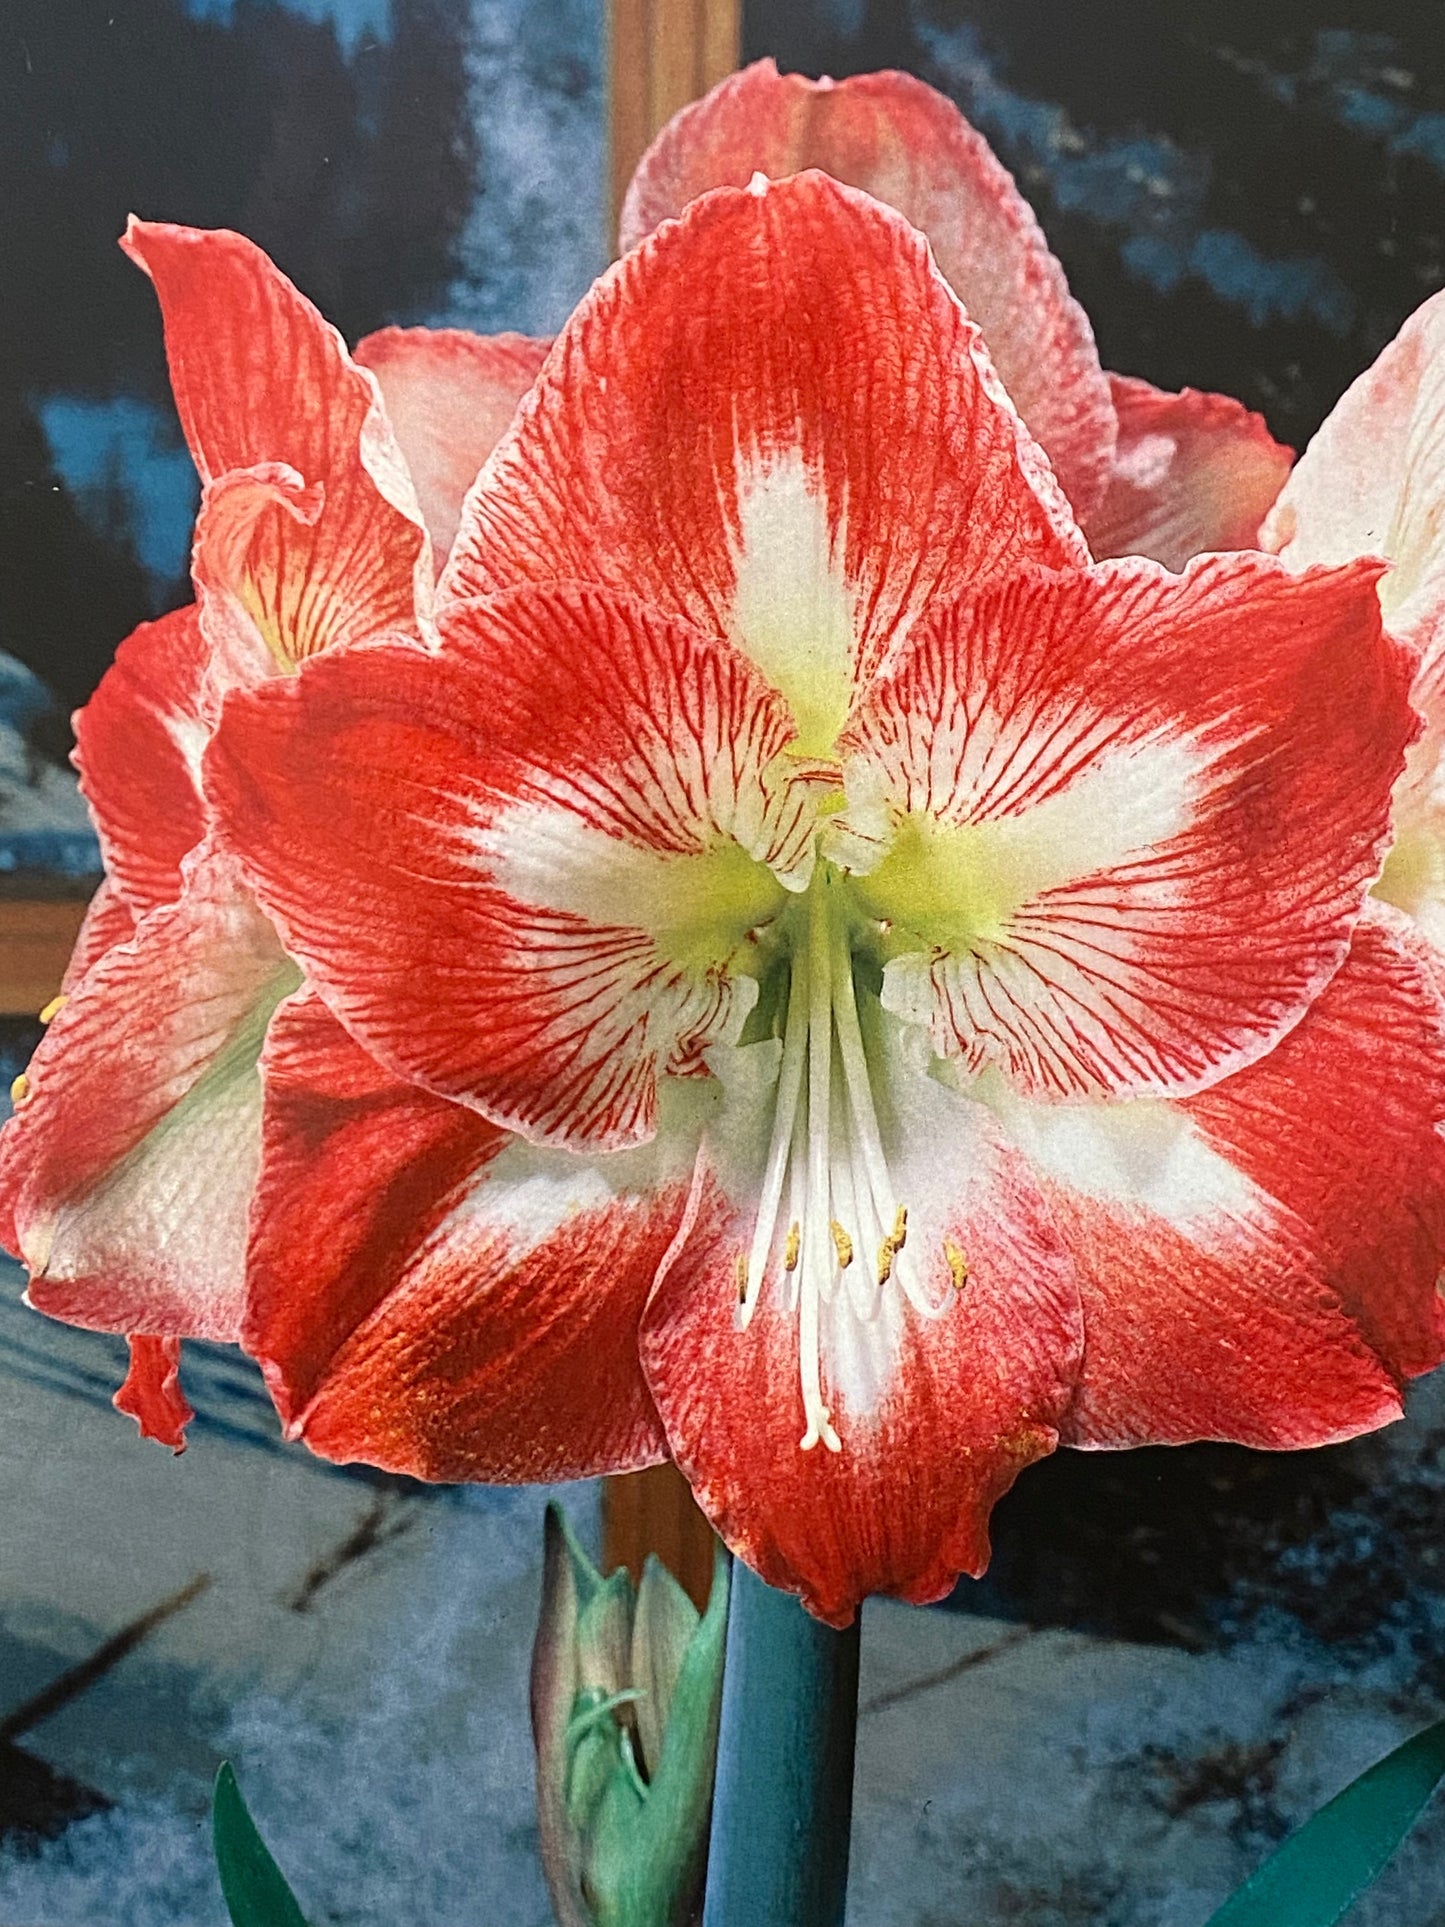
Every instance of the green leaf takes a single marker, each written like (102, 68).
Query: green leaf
(254, 1887)
(1313, 1879)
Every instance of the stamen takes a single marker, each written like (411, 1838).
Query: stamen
(891, 1246)
(20, 1089)
(790, 1086)
(817, 1276)
(53, 1009)
(852, 1210)
(860, 1090)
(826, 1150)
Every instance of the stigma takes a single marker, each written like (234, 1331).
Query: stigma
(826, 1159)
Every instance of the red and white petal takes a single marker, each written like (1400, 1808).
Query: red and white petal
(138, 750)
(264, 385)
(774, 420)
(1192, 473)
(909, 146)
(1259, 1263)
(518, 869)
(935, 1410)
(126, 1172)
(450, 397)
(434, 1297)
(1372, 482)
(109, 920)
(152, 1394)
(1135, 815)
(1342, 1123)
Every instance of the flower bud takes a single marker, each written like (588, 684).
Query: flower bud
(626, 1696)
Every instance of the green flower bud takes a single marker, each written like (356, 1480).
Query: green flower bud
(626, 1697)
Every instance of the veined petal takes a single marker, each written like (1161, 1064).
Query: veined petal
(774, 420)
(1258, 1263)
(1413, 878)
(449, 396)
(521, 869)
(1134, 816)
(138, 750)
(432, 1296)
(1192, 473)
(942, 1383)
(1372, 482)
(109, 920)
(264, 386)
(152, 1394)
(1342, 1123)
(909, 146)
(127, 1170)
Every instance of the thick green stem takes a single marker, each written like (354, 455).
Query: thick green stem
(784, 1798)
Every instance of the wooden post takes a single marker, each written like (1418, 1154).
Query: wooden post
(661, 55)
(37, 935)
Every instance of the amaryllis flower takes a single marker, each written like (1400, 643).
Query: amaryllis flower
(833, 985)
(1146, 472)
(1372, 482)
(329, 485)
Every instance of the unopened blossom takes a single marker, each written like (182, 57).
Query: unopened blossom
(626, 1701)
(330, 493)
(812, 975)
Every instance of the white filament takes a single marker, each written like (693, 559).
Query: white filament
(842, 1244)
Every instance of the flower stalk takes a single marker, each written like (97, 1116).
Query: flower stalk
(784, 1793)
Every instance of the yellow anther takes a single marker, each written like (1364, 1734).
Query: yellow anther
(740, 1274)
(957, 1263)
(20, 1089)
(892, 1244)
(842, 1243)
(53, 1008)
(792, 1246)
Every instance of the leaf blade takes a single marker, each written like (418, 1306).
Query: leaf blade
(1321, 1870)
(254, 1887)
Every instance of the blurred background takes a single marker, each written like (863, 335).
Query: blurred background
(1177, 1654)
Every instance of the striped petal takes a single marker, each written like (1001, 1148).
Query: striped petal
(898, 140)
(1259, 1263)
(434, 1297)
(127, 1169)
(521, 870)
(449, 397)
(138, 750)
(1192, 473)
(1122, 823)
(151, 1393)
(109, 920)
(773, 420)
(310, 533)
(1372, 482)
(940, 1383)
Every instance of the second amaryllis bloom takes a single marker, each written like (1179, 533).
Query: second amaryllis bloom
(331, 490)
(833, 985)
